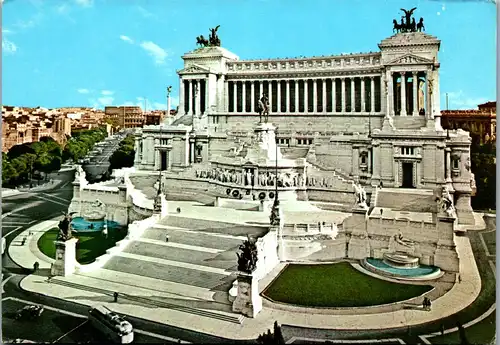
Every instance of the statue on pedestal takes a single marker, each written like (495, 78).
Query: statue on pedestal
(408, 23)
(65, 228)
(445, 203)
(247, 259)
(213, 39)
(360, 194)
(264, 108)
(275, 213)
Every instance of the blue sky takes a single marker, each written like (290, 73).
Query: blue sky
(100, 52)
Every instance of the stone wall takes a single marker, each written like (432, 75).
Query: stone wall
(267, 253)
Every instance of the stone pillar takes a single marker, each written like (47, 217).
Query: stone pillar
(324, 95)
(334, 95)
(415, 93)
(403, 94)
(198, 97)
(306, 96)
(363, 106)
(270, 95)
(157, 159)
(190, 112)
(448, 164)
(353, 96)
(278, 96)
(287, 96)
(248, 301)
(191, 150)
(428, 96)
(207, 99)
(226, 96)
(358, 246)
(182, 105)
(372, 94)
(261, 88)
(343, 95)
(244, 96)
(252, 96)
(296, 95)
(235, 96)
(315, 95)
(465, 214)
(137, 145)
(390, 94)
(65, 262)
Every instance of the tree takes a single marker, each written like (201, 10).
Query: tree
(124, 156)
(269, 338)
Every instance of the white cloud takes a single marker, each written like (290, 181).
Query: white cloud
(145, 13)
(107, 92)
(443, 8)
(105, 100)
(8, 47)
(84, 3)
(83, 91)
(438, 13)
(62, 9)
(6, 31)
(126, 39)
(159, 54)
(459, 101)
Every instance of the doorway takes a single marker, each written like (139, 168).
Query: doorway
(163, 155)
(407, 175)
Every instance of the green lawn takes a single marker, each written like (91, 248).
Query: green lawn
(480, 333)
(336, 285)
(89, 245)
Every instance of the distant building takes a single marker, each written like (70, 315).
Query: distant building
(481, 122)
(125, 116)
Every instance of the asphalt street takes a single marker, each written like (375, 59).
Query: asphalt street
(98, 164)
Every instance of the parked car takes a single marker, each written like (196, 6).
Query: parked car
(30, 312)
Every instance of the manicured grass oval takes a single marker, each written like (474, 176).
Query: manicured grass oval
(89, 246)
(337, 285)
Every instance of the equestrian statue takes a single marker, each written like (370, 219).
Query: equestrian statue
(264, 108)
(408, 23)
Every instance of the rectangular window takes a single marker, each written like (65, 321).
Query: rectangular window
(407, 151)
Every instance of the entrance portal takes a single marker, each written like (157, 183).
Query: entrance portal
(163, 155)
(407, 175)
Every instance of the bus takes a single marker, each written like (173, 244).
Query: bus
(111, 324)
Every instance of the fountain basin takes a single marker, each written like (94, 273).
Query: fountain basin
(401, 260)
(80, 224)
(421, 272)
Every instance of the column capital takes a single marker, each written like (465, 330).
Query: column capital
(287, 81)
(372, 77)
(414, 73)
(403, 72)
(252, 81)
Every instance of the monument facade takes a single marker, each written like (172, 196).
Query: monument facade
(372, 119)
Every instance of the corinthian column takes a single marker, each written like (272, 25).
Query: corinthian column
(323, 89)
(235, 96)
(270, 94)
(278, 96)
(198, 98)
(363, 105)
(353, 96)
(372, 94)
(343, 95)
(182, 104)
(226, 96)
(296, 83)
(315, 95)
(415, 93)
(252, 96)
(244, 97)
(403, 94)
(334, 95)
(306, 96)
(287, 96)
(190, 97)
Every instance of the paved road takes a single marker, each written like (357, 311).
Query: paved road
(22, 211)
(99, 163)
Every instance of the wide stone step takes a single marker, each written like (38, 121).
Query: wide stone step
(219, 315)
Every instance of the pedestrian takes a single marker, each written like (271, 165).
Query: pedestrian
(23, 241)
(166, 239)
(442, 329)
(36, 265)
(459, 278)
(429, 304)
(115, 296)
(178, 210)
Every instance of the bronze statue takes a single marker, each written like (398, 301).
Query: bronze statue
(275, 213)
(408, 23)
(213, 38)
(65, 228)
(420, 25)
(202, 41)
(247, 259)
(264, 108)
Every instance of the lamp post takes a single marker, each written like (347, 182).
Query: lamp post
(167, 112)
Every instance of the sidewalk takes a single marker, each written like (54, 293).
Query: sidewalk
(460, 296)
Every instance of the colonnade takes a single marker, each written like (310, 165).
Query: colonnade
(409, 93)
(320, 95)
(193, 95)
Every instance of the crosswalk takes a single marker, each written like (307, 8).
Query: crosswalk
(191, 272)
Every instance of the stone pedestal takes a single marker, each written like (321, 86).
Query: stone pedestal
(446, 256)
(464, 209)
(356, 225)
(65, 263)
(248, 301)
(265, 134)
